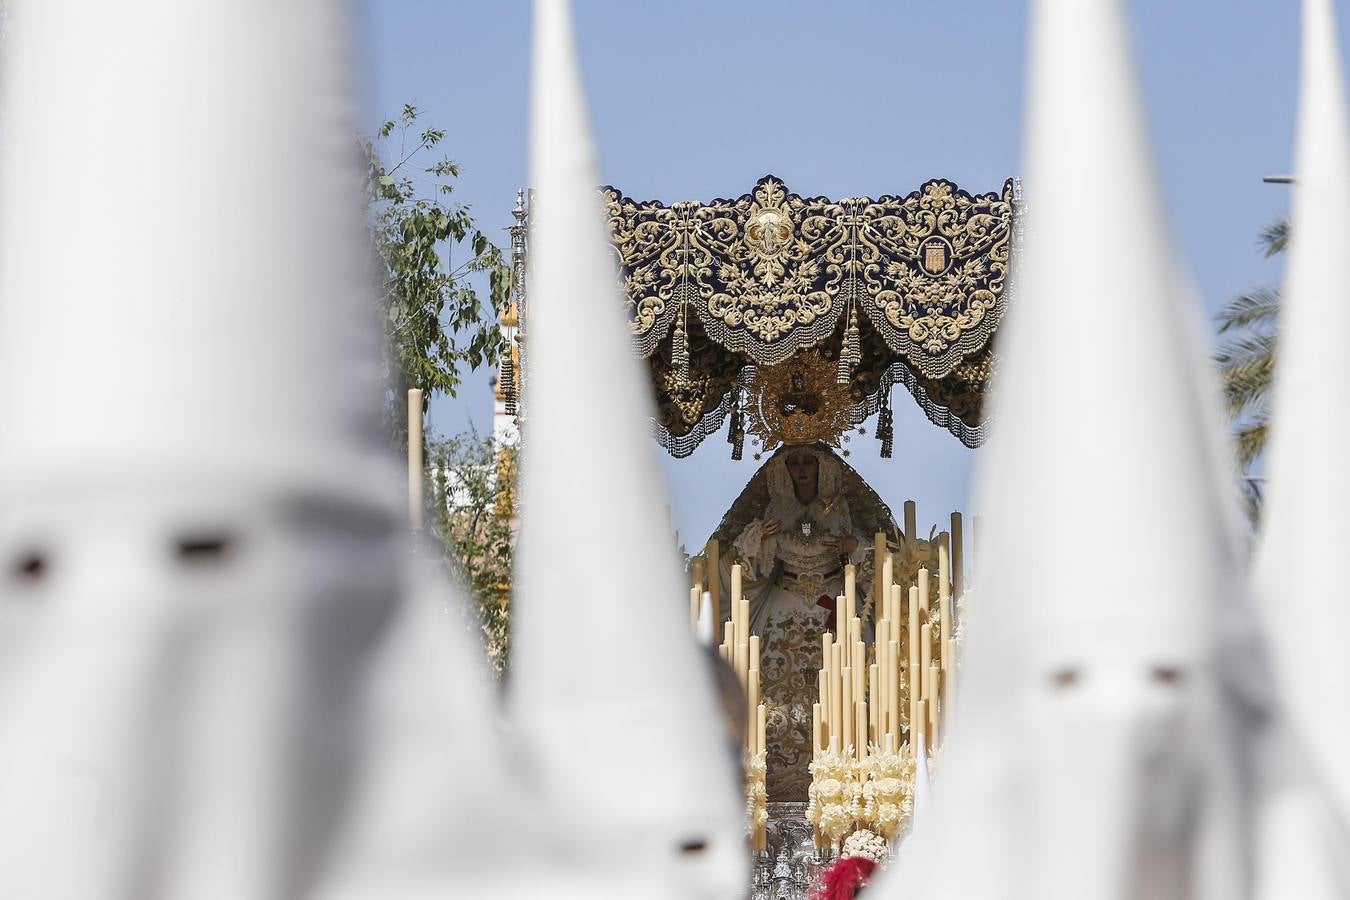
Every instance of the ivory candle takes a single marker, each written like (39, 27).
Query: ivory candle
(873, 702)
(925, 591)
(761, 728)
(944, 603)
(911, 521)
(926, 650)
(815, 729)
(697, 572)
(714, 554)
(913, 626)
(893, 651)
(934, 687)
(880, 695)
(846, 728)
(753, 705)
(851, 589)
(897, 602)
(958, 555)
(859, 669)
(836, 693)
(887, 571)
(823, 680)
(860, 739)
(920, 716)
(878, 551)
(736, 576)
(695, 605)
(415, 462)
(915, 695)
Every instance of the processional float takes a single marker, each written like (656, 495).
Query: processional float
(789, 320)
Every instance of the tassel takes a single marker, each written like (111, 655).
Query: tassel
(679, 351)
(850, 354)
(736, 436)
(886, 429)
(508, 377)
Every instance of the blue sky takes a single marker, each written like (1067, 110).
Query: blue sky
(697, 99)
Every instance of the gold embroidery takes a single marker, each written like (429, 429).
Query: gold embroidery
(789, 659)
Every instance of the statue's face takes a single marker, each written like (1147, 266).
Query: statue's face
(804, 469)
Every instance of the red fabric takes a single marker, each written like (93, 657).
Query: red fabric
(844, 879)
(832, 604)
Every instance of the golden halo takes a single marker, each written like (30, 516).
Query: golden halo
(799, 401)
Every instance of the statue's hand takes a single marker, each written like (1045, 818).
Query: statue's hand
(846, 544)
(771, 527)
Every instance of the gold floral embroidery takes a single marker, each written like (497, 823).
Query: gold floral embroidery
(789, 660)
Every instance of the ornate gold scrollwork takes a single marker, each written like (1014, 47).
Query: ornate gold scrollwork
(769, 274)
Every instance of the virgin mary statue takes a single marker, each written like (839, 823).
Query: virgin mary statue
(803, 517)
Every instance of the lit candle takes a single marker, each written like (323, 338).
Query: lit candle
(415, 462)
(925, 594)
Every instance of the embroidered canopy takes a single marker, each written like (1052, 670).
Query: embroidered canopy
(898, 290)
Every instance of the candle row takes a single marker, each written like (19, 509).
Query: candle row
(739, 648)
(870, 694)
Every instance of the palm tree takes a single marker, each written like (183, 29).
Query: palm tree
(1246, 359)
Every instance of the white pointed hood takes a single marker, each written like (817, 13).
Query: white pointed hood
(1304, 592)
(609, 689)
(197, 512)
(442, 806)
(1305, 520)
(177, 177)
(1096, 747)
